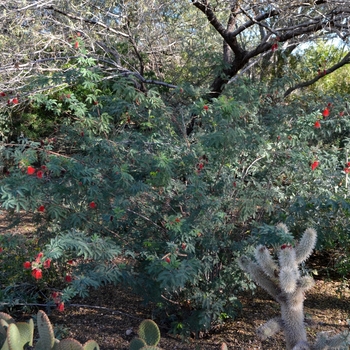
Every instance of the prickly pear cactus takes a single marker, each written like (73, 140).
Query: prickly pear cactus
(91, 345)
(69, 344)
(46, 335)
(149, 332)
(137, 344)
(14, 337)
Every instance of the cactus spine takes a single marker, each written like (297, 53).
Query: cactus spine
(283, 281)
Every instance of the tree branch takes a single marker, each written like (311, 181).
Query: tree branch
(94, 22)
(343, 62)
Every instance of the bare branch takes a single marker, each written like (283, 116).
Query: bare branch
(343, 62)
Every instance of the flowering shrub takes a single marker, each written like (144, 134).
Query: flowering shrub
(128, 180)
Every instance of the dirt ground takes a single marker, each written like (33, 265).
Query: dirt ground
(109, 314)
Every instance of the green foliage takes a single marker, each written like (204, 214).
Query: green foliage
(164, 191)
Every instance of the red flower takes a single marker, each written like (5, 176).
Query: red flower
(347, 170)
(30, 170)
(39, 174)
(341, 113)
(70, 262)
(41, 208)
(56, 296)
(206, 107)
(1, 249)
(68, 278)
(27, 265)
(60, 306)
(38, 257)
(314, 165)
(37, 274)
(15, 101)
(76, 45)
(167, 259)
(47, 263)
(2, 94)
(325, 112)
(274, 47)
(177, 220)
(43, 167)
(348, 164)
(92, 205)
(317, 124)
(95, 103)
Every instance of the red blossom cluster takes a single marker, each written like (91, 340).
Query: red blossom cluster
(37, 265)
(56, 296)
(39, 174)
(12, 101)
(347, 168)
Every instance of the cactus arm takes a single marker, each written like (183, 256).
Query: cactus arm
(258, 276)
(302, 345)
(270, 328)
(306, 245)
(264, 259)
(339, 341)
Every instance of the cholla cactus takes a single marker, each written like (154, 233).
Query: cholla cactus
(283, 281)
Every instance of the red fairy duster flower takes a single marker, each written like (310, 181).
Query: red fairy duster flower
(2, 94)
(39, 174)
(347, 170)
(30, 170)
(325, 112)
(47, 263)
(92, 205)
(60, 306)
(341, 113)
(317, 124)
(41, 208)
(314, 165)
(27, 265)
(274, 47)
(38, 257)
(76, 45)
(15, 101)
(206, 107)
(68, 278)
(37, 274)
